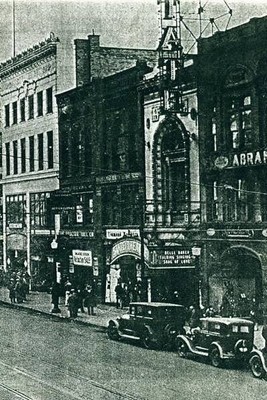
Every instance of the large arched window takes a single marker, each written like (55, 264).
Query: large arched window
(171, 170)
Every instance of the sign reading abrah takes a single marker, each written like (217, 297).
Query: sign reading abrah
(82, 257)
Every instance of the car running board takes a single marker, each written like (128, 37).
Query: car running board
(130, 337)
(199, 352)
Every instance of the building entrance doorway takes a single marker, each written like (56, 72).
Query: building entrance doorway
(127, 271)
(236, 288)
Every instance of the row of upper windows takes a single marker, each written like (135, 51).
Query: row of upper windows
(240, 200)
(39, 215)
(39, 154)
(27, 108)
(238, 123)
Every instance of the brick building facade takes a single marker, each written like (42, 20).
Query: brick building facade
(101, 181)
(232, 76)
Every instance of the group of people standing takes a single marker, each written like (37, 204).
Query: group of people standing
(18, 287)
(127, 292)
(80, 298)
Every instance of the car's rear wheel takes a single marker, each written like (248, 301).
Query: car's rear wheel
(256, 367)
(112, 332)
(181, 347)
(215, 357)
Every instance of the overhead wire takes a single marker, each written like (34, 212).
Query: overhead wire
(118, 172)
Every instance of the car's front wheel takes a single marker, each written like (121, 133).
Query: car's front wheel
(181, 348)
(256, 367)
(112, 332)
(215, 357)
(147, 341)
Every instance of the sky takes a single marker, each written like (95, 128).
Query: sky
(120, 23)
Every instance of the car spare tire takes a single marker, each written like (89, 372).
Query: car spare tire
(113, 332)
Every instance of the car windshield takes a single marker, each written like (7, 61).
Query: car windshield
(170, 312)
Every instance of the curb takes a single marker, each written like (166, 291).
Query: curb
(51, 315)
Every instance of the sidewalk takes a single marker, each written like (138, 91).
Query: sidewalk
(41, 302)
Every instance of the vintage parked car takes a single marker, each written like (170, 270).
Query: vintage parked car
(218, 339)
(154, 324)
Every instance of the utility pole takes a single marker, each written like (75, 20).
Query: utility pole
(14, 27)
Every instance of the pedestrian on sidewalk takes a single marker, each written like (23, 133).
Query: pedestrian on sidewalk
(12, 291)
(119, 290)
(73, 304)
(80, 299)
(55, 292)
(19, 291)
(90, 300)
(67, 287)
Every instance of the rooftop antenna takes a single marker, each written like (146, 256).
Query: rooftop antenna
(212, 22)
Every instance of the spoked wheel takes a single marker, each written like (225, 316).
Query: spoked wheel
(112, 332)
(146, 340)
(256, 367)
(215, 358)
(181, 348)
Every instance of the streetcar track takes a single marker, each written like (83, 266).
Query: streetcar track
(16, 392)
(74, 375)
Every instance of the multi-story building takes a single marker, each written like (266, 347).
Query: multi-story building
(232, 79)
(172, 202)
(101, 131)
(28, 83)
(129, 199)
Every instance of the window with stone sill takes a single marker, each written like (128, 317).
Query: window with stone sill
(7, 115)
(15, 112)
(16, 209)
(31, 107)
(130, 205)
(239, 122)
(78, 211)
(238, 202)
(213, 201)
(174, 180)
(110, 206)
(39, 210)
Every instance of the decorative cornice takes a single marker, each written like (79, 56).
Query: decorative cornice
(27, 57)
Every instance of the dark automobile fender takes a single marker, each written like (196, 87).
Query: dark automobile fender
(260, 354)
(187, 341)
(114, 322)
(218, 346)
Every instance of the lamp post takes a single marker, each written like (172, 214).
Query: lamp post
(55, 287)
(196, 252)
